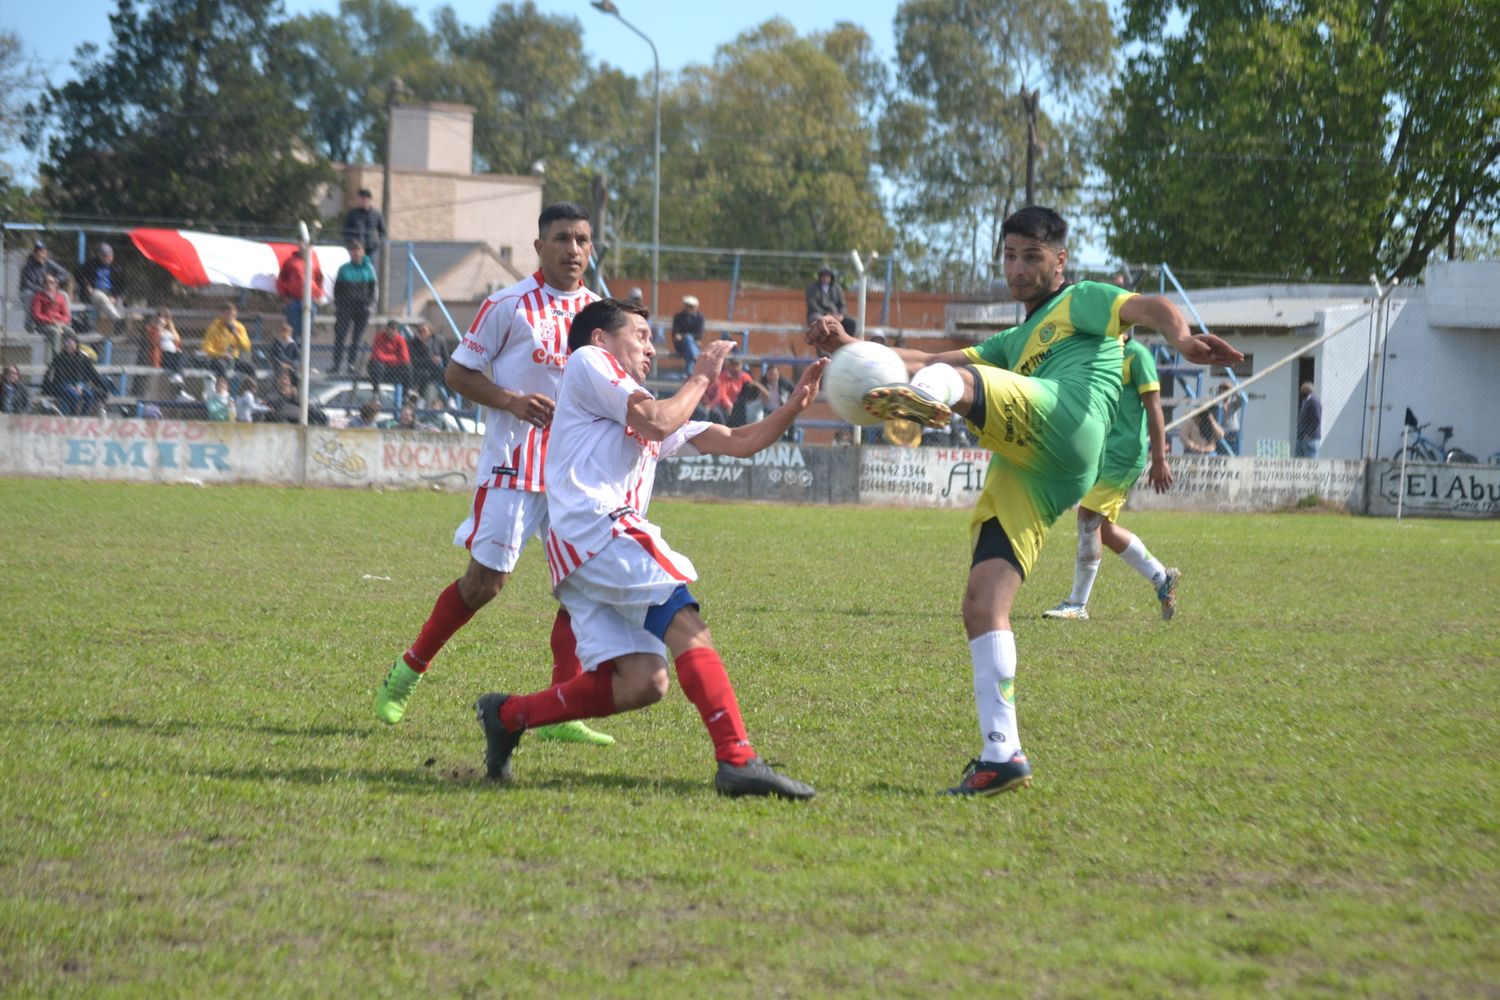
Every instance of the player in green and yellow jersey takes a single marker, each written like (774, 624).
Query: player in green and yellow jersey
(1040, 396)
(1138, 431)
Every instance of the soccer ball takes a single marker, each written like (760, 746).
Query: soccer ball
(856, 369)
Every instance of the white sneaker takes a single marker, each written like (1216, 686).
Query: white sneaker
(1070, 612)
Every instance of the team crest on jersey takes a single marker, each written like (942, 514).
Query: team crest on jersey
(1046, 333)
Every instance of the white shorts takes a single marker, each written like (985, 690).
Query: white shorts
(499, 523)
(608, 598)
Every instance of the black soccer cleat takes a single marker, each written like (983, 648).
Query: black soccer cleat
(756, 777)
(988, 777)
(899, 401)
(499, 742)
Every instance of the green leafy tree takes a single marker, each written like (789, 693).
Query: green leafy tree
(184, 118)
(1305, 137)
(972, 77)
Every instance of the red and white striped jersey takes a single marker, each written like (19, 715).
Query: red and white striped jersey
(520, 341)
(600, 473)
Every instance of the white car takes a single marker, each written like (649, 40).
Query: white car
(340, 401)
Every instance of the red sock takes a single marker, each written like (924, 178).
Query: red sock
(449, 614)
(701, 674)
(590, 695)
(565, 665)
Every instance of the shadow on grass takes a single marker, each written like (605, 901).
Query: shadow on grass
(421, 780)
(176, 727)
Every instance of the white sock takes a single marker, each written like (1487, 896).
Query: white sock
(1084, 571)
(1143, 562)
(994, 696)
(941, 382)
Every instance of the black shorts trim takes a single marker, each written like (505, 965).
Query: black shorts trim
(978, 408)
(994, 543)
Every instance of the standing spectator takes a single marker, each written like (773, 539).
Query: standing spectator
(148, 345)
(100, 283)
(51, 315)
(1233, 410)
(292, 281)
(38, 266)
(687, 332)
(73, 381)
(390, 361)
(219, 403)
(169, 341)
(1309, 423)
(1202, 434)
(825, 297)
(637, 298)
(14, 398)
(363, 224)
(726, 389)
(225, 341)
(285, 354)
(429, 360)
(354, 295)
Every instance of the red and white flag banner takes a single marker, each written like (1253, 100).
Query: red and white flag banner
(198, 259)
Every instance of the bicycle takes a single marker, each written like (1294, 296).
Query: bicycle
(1421, 448)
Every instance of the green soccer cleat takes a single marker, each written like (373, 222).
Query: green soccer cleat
(573, 732)
(1068, 612)
(987, 777)
(1167, 593)
(899, 401)
(390, 699)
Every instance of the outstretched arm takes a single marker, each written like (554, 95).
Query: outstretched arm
(1160, 474)
(742, 442)
(1156, 312)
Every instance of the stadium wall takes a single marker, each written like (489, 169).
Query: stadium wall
(203, 453)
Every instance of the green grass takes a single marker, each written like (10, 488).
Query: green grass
(1290, 789)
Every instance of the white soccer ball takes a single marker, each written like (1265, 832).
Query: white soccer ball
(856, 369)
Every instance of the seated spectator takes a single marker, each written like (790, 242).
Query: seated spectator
(727, 388)
(148, 347)
(179, 388)
(1202, 434)
(169, 341)
(687, 332)
(287, 406)
(51, 316)
(369, 413)
(100, 284)
(761, 396)
(37, 267)
(390, 361)
(220, 404)
(73, 381)
(226, 344)
(406, 420)
(14, 396)
(246, 406)
(285, 354)
(429, 361)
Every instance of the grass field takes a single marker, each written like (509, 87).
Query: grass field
(1290, 789)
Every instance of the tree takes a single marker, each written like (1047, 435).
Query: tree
(185, 118)
(955, 135)
(1323, 137)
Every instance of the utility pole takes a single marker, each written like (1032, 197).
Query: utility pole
(1031, 100)
(395, 90)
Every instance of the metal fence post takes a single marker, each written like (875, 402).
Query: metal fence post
(734, 285)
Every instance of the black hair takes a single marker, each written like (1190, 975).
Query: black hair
(607, 315)
(1037, 223)
(572, 211)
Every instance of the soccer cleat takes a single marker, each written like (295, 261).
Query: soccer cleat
(391, 697)
(987, 777)
(1068, 612)
(756, 777)
(573, 732)
(499, 742)
(899, 401)
(1167, 593)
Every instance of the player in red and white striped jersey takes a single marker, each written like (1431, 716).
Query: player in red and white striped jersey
(623, 585)
(511, 363)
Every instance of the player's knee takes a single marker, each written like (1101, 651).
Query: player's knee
(638, 690)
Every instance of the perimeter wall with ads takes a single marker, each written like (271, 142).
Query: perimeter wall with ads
(203, 453)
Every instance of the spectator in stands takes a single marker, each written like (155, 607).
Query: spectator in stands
(38, 265)
(363, 224)
(390, 360)
(763, 395)
(169, 341)
(226, 344)
(1309, 422)
(148, 345)
(101, 285)
(179, 386)
(51, 316)
(1201, 435)
(1232, 409)
(825, 297)
(687, 332)
(73, 381)
(292, 282)
(285, 354)
(429, 361)
(246, 406)
(14, 397)
(406, 420)
(727, 388)
(287, 404)
(219, 403)
(369, 412)
(354, 294)
(637, 298)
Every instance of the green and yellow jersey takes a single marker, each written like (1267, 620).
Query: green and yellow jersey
(1128, 443)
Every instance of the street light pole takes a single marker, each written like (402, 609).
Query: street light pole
(608, 7)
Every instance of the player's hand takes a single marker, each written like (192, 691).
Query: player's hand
(711, 359)
(827, 334)
(1208, 349)
(1160, 475)
(536, 409)
(807, 385)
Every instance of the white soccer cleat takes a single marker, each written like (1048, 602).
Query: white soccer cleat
(1068, 612)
